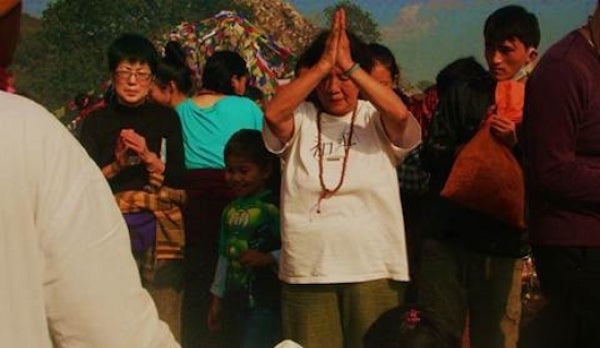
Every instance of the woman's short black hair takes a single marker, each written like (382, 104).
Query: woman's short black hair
(220, 68)
(134, 48)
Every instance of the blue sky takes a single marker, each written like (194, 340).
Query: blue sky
(425, 35)
(382, 10)
(35, 7)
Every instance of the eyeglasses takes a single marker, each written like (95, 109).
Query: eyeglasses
(125, 75)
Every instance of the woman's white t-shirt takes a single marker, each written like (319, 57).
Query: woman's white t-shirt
(358, 233)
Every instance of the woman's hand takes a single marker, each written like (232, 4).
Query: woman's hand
(120, 153)
(136, 143)
(329, 57)
(344, 59)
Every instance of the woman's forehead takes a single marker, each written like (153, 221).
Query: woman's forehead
(133, 65)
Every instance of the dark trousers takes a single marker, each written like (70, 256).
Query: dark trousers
(207, 195)
(455, 282)
(570, 281)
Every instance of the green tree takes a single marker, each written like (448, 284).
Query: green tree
(67, 55)
(359, 21)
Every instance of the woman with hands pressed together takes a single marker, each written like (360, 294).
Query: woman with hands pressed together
(343, 257)
(131, 149)
(138, 146)
(128, 138)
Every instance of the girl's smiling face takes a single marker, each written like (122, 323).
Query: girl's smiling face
(244, 176)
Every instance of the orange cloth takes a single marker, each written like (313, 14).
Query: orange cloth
(486, 177)
(510, 96)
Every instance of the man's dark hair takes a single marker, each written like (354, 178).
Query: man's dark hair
(510, 23)
(134, 48)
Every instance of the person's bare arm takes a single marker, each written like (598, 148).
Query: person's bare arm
(279, 111)
(394, 113)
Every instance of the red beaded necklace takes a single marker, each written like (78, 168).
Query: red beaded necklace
(326, 192)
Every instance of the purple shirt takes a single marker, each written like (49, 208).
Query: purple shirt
(561, 142)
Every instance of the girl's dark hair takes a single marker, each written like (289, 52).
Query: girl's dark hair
(131, 47)
(302, 63)
(459, 71)
(512, 22)
(408, 327)
(254, 93)
(173, 67)
(382, 55)
(248, 143)
(220, 68)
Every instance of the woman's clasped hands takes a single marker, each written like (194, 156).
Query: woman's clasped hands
(131, 149)
(337, 47)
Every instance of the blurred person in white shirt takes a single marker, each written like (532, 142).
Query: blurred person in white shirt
(68, 276)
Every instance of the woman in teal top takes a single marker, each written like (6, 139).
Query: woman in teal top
(173, 80)
(208, 125)
(216, 112)
(208, 120)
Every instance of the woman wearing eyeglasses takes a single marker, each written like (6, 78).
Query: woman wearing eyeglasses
(138, 146)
